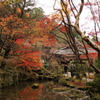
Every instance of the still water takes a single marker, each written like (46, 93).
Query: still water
(24, 91)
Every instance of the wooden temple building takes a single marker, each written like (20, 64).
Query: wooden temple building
(65, 54)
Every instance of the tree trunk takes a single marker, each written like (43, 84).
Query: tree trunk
(3, 63)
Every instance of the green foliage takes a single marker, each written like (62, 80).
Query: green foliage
(53, 67)
(96, 97)
(78, 69)
(48, 86)
(95, 87)
(97, 63)
(8, 77)
(71, 79)
(62, 81)
(90, 69)
(97, 76)
(37, 13)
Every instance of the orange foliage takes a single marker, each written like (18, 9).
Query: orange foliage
(19, 34)
(28, 58)
(15, 29)
(31, 60)
(12, 25)
(18, 10)
(43, 30)
(27, 14)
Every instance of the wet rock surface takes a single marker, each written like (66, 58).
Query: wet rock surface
(74, 94)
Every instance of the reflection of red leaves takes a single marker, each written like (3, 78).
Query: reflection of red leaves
(30, 94)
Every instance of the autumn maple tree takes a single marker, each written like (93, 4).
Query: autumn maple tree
(12, 36)
(23, 34)
(11, 30)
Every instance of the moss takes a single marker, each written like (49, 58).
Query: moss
(67, 78)
(96, 97)
(83, 88)
(72, 86)
(35, 85)
(8, 77)
(61, 89)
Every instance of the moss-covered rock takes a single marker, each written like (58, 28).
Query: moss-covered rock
(35, 85)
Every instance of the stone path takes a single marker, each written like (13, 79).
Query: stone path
(87, 79)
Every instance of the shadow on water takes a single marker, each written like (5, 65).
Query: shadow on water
(24, 91)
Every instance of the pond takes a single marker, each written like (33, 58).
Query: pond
(24, 91)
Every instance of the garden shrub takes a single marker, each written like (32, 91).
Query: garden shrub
(96, 97)
(8, 76)
(62, 81)
(95, 88)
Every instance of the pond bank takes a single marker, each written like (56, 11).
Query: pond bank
(10, 76)
(23, 86)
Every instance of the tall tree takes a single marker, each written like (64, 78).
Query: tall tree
(22, 36)
(70, 12)
(19, 7)
(37, 13)
(11, 29)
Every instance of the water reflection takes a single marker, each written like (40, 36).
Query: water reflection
(24, 91)
(48, 94)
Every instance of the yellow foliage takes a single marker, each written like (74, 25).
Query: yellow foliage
(6, 2)
(64, 7)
